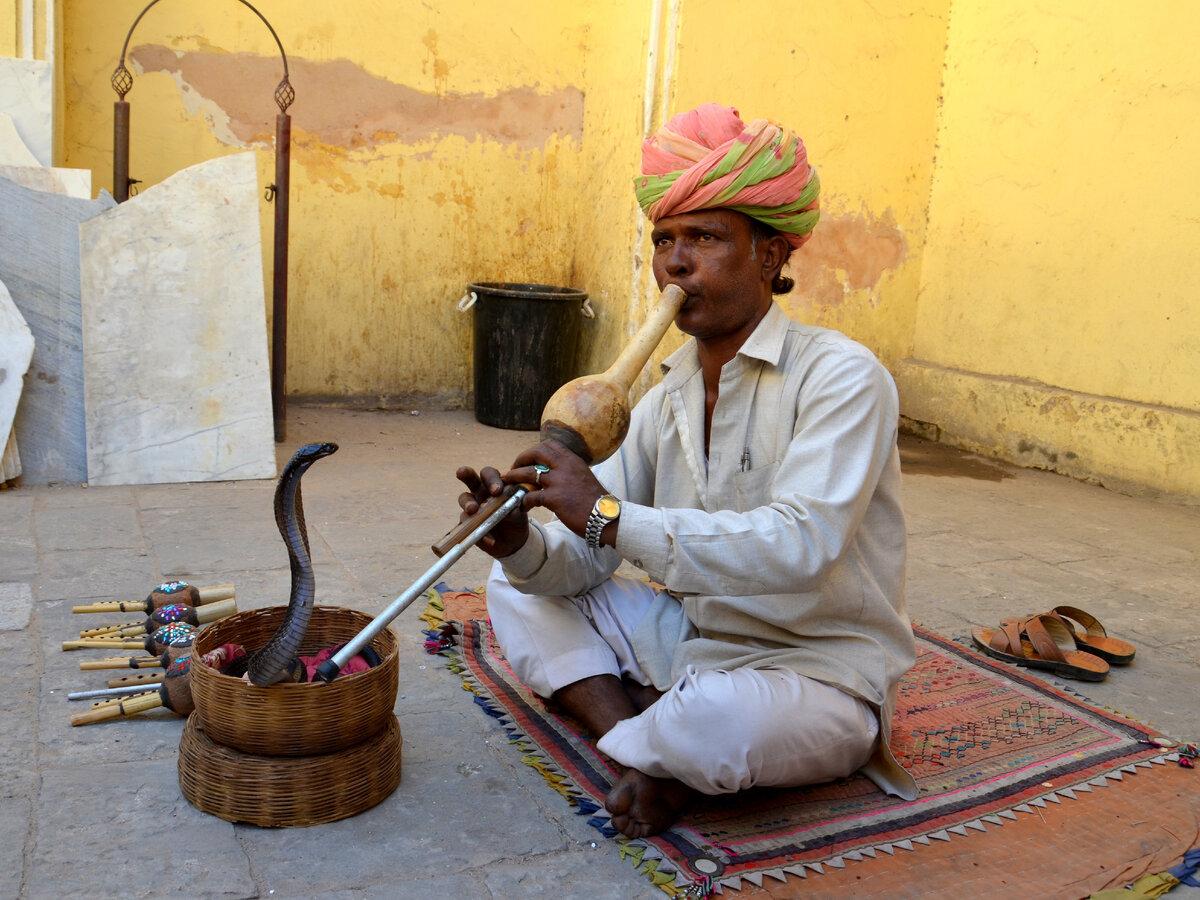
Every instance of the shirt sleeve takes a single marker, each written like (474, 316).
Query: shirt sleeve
(845, 435)
(554, 560)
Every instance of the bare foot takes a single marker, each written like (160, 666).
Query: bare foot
(642, 805)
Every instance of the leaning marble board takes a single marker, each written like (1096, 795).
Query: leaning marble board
(177, 386)
(26, 95)
(16, 350)
(39, 263)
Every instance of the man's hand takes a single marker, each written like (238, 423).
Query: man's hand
(568, 489)
(510, 534)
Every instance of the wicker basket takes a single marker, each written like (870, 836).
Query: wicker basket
(293, 719)
(278, 792)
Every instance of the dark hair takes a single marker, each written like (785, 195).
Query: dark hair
(760, 231)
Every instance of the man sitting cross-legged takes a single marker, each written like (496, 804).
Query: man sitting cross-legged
(759, 483)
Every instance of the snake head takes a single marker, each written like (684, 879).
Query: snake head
(317, 451)
(309, 454)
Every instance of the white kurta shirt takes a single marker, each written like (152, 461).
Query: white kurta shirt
(786, 546)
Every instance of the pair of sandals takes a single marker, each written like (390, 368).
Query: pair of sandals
(1066, 641)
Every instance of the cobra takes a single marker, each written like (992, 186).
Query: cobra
(277, 660)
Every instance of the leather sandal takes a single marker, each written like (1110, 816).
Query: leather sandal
(1043, 641)
(1095, 639)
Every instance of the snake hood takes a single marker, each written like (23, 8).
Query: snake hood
(277, 659)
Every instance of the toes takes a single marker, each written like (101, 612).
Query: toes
(641, 830)
(621, 823)
(620, 798)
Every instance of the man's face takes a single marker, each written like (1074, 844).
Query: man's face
(711, 256)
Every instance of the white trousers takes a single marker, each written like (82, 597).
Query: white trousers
(717, 731)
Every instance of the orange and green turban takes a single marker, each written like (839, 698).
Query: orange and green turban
(709, 158)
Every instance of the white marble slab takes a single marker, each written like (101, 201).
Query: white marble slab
(16, 350)
(175, 334)
(26, 94)
(13, 151)
(39, 263)
(68, 182)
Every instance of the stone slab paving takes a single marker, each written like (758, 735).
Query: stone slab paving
(468, 820)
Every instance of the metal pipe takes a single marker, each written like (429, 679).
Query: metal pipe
(329, 669)
(112, 692)
(279, 299)
(120, 183)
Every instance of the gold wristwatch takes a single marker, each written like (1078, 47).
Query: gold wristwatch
(607, 509)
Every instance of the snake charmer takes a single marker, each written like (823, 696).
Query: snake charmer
(758, 488)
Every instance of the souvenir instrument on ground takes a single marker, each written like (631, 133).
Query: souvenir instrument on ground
(154, 643)
(175, 694)
(589, 416)
(165, 594)
(165, 615)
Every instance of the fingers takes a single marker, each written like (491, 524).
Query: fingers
(526, 475)
(486, 483)
(493, 484)
(548, 453)
(532, 500)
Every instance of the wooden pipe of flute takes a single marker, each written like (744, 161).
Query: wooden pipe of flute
(146, 678)
(103, 630)
(590, 415)
(168, 656)
(165, 594)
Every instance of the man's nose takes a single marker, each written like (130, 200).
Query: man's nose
(679, 261)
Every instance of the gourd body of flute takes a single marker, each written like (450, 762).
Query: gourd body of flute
(590, 415)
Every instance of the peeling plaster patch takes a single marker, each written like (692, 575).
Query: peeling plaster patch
(343, 105)
(847, 253)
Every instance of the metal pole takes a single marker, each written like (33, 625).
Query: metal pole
(329, 669)
(120, 151)
(283, 156)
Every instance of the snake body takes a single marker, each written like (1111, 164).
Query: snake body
(277, 659)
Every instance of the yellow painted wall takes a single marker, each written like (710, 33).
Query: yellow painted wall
(10, 30)
(385, 236)
(1007, 188)
(405, 182)
(1057, 324)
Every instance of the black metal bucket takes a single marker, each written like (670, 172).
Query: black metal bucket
(526, 337)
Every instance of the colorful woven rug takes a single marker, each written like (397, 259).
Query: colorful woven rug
(984, 741)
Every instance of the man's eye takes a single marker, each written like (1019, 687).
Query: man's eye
(704, 238)
(662, 242)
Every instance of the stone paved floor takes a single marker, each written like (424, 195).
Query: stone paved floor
(97, 810)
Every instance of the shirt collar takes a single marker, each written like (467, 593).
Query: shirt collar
(765, 343)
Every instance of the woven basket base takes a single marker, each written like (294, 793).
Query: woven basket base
(280, 792)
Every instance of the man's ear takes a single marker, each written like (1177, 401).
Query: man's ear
(775, 251)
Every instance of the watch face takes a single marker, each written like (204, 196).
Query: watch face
(608, 506)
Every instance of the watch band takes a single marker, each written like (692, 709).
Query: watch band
(596, 522)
